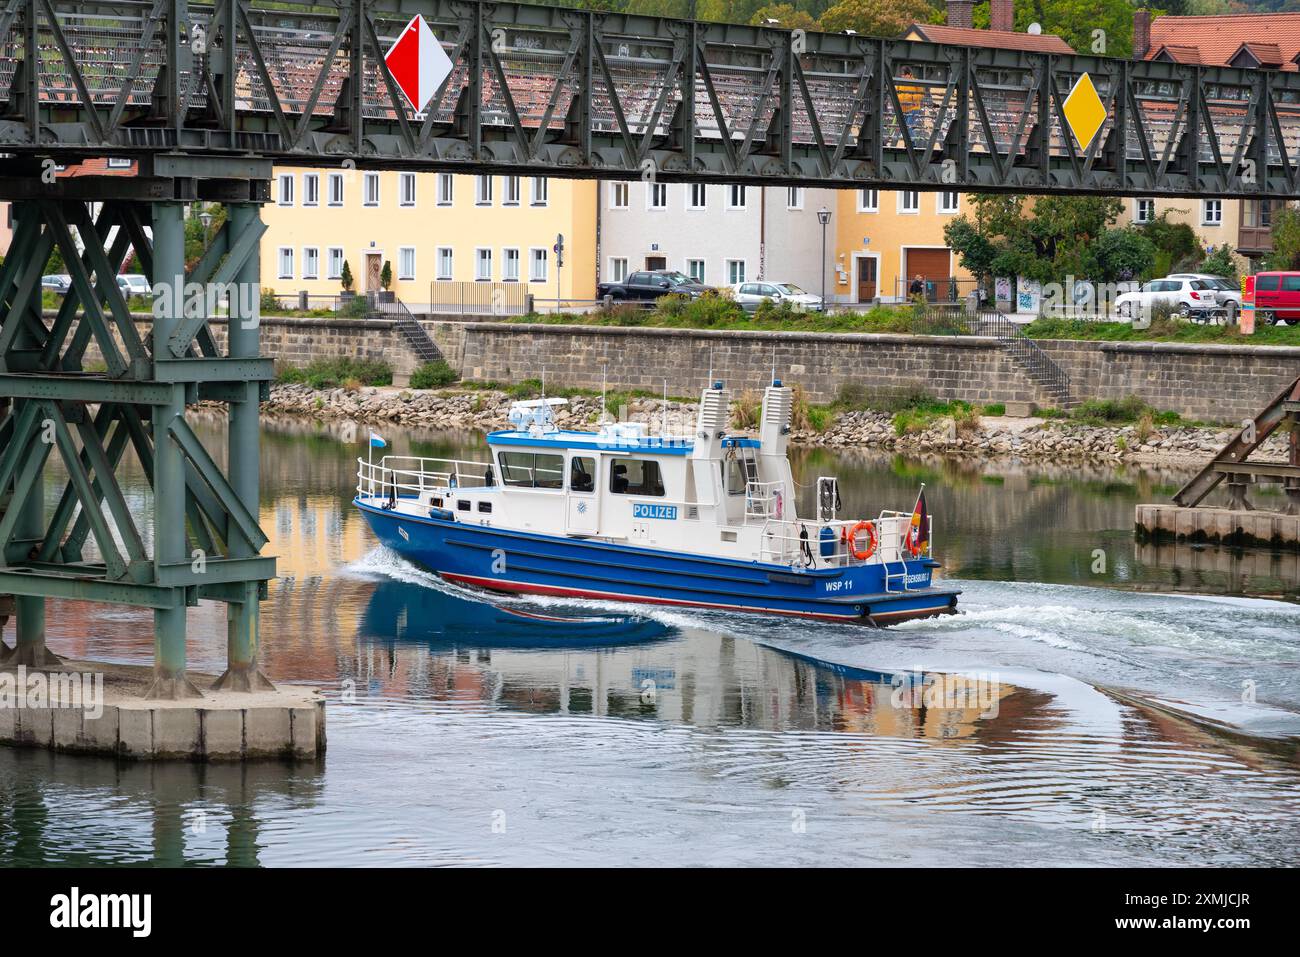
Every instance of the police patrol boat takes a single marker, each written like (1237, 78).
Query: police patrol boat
(707, 520)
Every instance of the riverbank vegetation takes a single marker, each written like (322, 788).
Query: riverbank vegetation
(336, 373)
(1161, 330)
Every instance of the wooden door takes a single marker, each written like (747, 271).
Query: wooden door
(374, 266)
(866, 278)
(656, 262)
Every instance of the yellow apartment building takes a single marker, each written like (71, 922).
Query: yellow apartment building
(435, 229)
(884, 238)
(1241, 223)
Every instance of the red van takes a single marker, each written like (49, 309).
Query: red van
(1277, 297)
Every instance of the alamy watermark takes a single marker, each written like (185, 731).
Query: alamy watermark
(193, 299)
(53, 689)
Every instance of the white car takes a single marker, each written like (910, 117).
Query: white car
(1191, 298)
(1229, 295)
(750, 295)
(134, 284)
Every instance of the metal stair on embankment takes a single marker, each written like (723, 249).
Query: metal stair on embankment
(1049, 377)
(421, 343)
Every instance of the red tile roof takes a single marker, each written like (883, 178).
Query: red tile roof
(1217, 39)
(97, 167)
(1268, 54)
(999, 39)
(1178, 52)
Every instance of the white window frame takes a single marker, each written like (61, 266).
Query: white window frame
(654, 191)
(541, 191)
(284, 189)
(691, 202)
(331, 254)
(369, 180)
(731, 279)
(618, 195)
(446, 189)
(864, 195)
(506, 261)
(450, 259)
(734, 191)
(1138, 218)
(119, 162)
(308, 254)
(335, 180)
(405, 275)
(311, 189)
(942, 208)
(615, 274)
(280, 259)
(482, 190)
(512, 192)
(532, 262)
(703, 267)
(903, 194)
(1206, 218)
(479, 260)
(794, 197)
(403, 180)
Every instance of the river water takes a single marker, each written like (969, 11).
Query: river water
(1095, 702)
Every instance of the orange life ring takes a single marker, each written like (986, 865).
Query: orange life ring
(872, 541)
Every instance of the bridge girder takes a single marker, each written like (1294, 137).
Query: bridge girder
(546, 90)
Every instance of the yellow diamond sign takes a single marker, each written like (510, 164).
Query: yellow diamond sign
(1084, 111)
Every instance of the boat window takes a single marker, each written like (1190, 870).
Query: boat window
(532, 469)
(635, 477)
(582, 474)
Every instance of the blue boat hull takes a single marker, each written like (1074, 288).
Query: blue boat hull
(511, 561)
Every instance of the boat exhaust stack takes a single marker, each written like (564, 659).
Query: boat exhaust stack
(713, 421)
(778, 407)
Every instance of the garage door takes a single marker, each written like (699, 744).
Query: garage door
(932, 265)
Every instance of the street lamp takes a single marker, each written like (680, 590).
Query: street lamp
(824, 217)
(206, 219)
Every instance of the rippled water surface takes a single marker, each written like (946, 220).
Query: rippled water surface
(1095, 703)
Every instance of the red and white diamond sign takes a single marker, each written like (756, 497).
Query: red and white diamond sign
(418, 63)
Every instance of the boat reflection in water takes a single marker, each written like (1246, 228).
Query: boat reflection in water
(446, 645)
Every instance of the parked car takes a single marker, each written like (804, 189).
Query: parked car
(651, 284)
(134, 284)
(1277, 297)
(750, 295)
(1192, 298)
(1228, 292)
(58, 283)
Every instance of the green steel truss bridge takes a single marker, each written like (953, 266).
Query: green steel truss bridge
(565, 92)
(207, 97)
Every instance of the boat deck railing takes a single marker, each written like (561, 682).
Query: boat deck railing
(408, 476)
(783, 541)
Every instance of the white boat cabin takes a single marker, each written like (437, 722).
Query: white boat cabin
(714, 493)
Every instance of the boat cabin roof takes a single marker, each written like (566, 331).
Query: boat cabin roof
(627, 443)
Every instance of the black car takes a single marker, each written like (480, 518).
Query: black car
(653, 283)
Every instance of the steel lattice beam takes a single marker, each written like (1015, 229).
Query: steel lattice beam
(582, 94)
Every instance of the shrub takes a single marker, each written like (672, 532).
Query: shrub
(1112, 410)
(433, 375)
(332, 373)
(268, 302)
(853, 395)
(965, 418)
(746, 411)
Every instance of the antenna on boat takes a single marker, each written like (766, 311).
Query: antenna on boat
(709, 384)
(772, 380)
(664, 431)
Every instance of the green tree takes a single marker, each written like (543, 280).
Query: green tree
(786, 17)
(1286, 240)
(1222, 262)
(386, 274)
(1125, 254)
(1076, 22)
(881, 18)
(345, 277)
(1047, 238)
(1177, 248)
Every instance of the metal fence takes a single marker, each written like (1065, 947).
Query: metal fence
(935, 289)
(476, 298)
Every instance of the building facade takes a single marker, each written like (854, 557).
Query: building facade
(720, 234)
(434, 229)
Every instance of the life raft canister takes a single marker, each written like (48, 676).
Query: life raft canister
(852, 540)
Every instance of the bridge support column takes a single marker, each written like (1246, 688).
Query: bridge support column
(242, 616)
(168, 463)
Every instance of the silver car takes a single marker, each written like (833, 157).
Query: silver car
(750, 295)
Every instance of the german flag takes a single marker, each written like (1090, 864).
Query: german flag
(918, 534)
